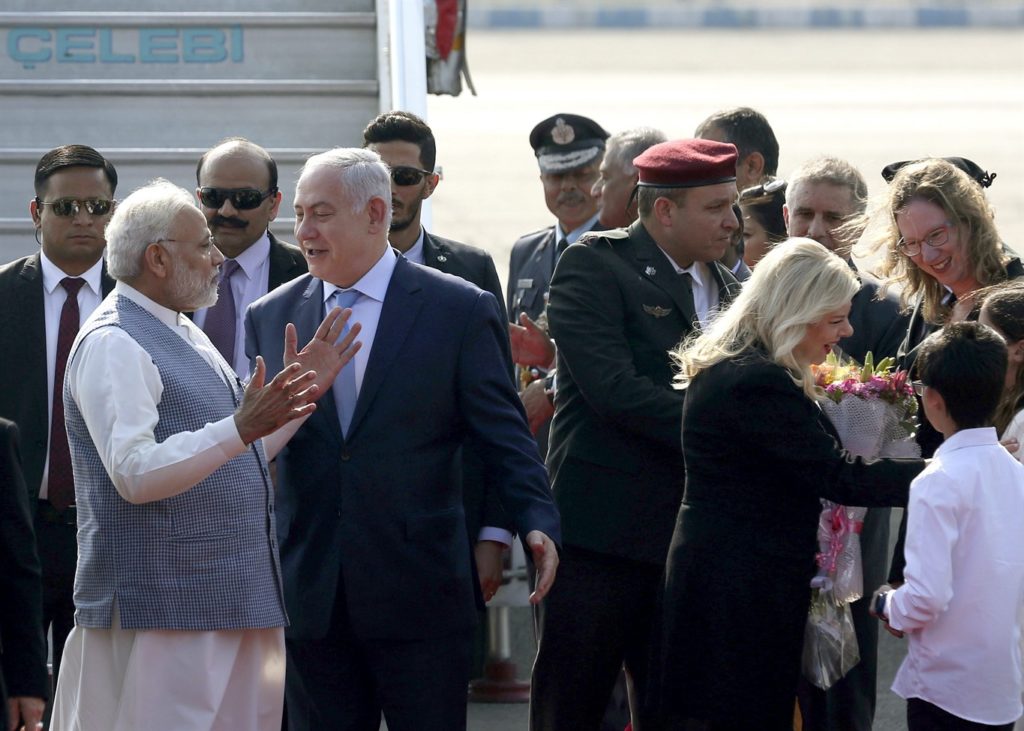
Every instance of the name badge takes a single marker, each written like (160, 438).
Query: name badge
(525, 284)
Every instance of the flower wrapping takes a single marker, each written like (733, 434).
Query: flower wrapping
(872, 409)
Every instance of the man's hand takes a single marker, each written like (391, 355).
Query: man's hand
(324, 354)
(25, 713)
(545, 559)
(266, 408)
(531, 346)
(538, 405)
(490, 561)
(883, 589)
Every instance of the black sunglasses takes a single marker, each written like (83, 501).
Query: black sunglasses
(243, 199)
(403, 176)
(71, 206)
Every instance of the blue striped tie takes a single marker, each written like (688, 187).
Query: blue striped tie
(345, 392)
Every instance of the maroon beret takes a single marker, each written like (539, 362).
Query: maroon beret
(686, 164)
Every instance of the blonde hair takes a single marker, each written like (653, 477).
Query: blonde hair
(795, 285)
(962, 200)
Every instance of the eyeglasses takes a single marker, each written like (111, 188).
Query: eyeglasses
(243, 199)
(769, 188)
(918, 387)
(404, 176)
(71, 206)
(935, 239)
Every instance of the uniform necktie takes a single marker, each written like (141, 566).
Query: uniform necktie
(345, 393)
(562, 245)
(221, 319)
(60, 481)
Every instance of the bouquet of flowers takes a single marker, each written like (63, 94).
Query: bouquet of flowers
(873, 409)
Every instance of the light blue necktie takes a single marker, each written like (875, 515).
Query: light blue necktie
(345, 383)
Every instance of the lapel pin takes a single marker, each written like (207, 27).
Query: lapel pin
(442, 258)
(650, 271)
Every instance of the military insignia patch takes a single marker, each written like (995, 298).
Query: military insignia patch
(562, 133)
(656, 310)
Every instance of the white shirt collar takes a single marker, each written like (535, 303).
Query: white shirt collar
(979, 437)
(415, 252)
(374, 283)
(52, 275)
(697, 270)
(252, 258)
(573, 235)
(164, 314)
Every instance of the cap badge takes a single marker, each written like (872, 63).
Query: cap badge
(562, 133)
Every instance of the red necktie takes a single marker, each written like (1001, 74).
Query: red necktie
(60, 481)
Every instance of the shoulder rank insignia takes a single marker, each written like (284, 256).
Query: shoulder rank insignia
(656, 311)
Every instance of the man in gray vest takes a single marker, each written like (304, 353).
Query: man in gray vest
(179, 607)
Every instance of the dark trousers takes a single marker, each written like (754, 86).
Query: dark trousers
(849, 705)
(925, 716)
(56, 537)
(345, 683)
(597, 618)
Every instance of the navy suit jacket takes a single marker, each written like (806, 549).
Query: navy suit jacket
(381, 511)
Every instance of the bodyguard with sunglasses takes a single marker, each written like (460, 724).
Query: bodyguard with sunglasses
(238, 194)
(43, 300)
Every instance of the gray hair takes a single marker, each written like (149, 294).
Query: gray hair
(363, 175)
(144, 217)
(833, 171)
(624, 147)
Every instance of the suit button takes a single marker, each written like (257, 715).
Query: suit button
(346, 456)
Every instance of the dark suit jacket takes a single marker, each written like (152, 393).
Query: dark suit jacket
(878, 324)
(382, 510)
(23, 361)
(759, 455)
(286, 263)
(22, 647)
(483, 508)
(617, 308)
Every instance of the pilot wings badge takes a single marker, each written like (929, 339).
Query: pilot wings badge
(656, 311)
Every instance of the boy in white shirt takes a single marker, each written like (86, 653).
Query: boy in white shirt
(961, 601)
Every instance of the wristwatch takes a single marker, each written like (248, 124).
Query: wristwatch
(879, 607)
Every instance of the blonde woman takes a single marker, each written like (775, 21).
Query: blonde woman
(759, 453)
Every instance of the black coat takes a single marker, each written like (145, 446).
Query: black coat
(22, 647)
(617, 308)
(759, 455)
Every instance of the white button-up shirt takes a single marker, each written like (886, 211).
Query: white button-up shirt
(964, 590)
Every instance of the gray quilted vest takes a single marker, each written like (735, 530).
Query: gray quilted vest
(203, 560)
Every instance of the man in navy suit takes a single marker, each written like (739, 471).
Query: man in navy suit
(377, 575)
(406, 145)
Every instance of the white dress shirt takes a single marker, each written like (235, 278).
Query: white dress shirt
(415, 252)
(373, 286)
(117, 388)
(54, 296)
(249, 283)
(704, 287)
(964, 590)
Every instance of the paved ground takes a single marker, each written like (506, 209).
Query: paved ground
(872, 97)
